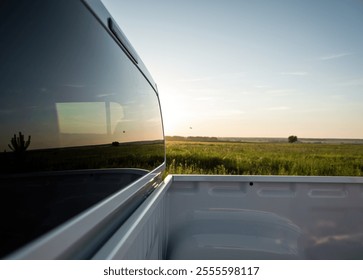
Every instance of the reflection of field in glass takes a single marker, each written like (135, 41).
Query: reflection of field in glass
(143, 155)
(264, 158)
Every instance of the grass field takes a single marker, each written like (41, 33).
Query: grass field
(228, 158)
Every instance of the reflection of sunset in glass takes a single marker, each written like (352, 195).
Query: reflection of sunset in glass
(252, 68)
(92, 96)
(108, 121)
(82, 118)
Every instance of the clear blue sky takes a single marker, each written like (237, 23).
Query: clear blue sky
(252, 68)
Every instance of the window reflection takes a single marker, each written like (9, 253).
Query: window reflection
(82, 118)
(89, 120)
(75, 93)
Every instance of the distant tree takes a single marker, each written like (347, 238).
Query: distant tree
(115, 143)
(292, 139)
(18, 143)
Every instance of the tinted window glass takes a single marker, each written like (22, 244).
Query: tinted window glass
(65, 83)
(70, 99)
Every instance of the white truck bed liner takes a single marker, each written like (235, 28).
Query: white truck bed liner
(245, 217)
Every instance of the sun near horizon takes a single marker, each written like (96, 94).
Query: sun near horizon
(252, 68)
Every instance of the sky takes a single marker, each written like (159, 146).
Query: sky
(252, 68)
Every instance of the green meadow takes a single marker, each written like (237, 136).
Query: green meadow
(231, 158)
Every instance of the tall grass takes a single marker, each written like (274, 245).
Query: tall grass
(264, 158)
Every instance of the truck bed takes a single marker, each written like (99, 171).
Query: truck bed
(245, 217)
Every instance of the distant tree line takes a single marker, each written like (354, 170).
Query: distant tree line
(192, 138)
(291, 138)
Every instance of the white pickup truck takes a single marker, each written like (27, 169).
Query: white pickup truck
(81, 172)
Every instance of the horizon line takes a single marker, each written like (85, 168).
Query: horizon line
(265, 137)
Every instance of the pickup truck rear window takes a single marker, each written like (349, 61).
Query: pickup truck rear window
(70, 101)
